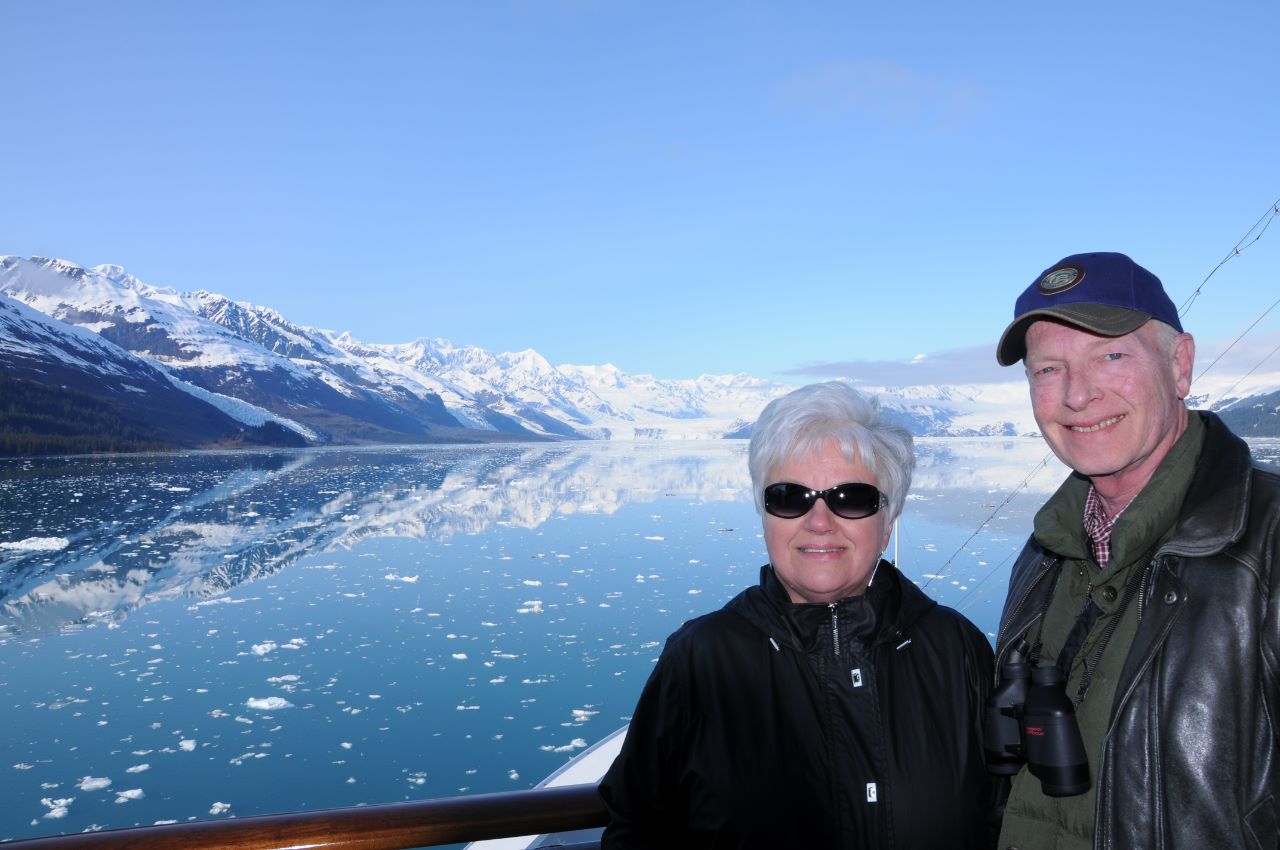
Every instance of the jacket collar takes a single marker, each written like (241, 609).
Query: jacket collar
(888, 608)
(1216, 509)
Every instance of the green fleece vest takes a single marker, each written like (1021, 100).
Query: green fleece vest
(1033, 821)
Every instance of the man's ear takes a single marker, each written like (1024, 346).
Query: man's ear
(1184, 357)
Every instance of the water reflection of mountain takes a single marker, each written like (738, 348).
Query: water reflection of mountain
(148, 528)
(131, 530)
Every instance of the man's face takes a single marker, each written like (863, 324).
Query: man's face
(1109, 407)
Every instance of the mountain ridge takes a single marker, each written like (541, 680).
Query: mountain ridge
(255, 365)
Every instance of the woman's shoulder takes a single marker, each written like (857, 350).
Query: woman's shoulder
(947, 625)
(723, 624)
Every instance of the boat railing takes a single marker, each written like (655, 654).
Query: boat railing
(393, 826)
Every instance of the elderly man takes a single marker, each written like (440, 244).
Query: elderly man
(1151, 579)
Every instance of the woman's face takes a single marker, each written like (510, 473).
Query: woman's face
(820, 557)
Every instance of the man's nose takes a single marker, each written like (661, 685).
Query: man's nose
(1081, 388)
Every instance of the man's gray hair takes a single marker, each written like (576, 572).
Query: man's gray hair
(801, 422)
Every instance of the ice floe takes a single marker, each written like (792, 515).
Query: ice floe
(37, 544)
(575, 744)
(57, 806)
(267, 703)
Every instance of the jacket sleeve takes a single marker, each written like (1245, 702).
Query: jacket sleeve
(996, 790)
(642, 789)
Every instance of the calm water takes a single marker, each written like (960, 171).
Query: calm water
(230, 634)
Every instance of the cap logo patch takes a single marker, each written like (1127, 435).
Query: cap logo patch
(1060, 279)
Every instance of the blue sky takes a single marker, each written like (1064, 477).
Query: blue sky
(792, 190)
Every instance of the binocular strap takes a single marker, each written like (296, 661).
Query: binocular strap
(1084, 624)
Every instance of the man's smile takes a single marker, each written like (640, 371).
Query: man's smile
(1089, 429)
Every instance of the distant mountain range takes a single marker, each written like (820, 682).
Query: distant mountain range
(95, 359)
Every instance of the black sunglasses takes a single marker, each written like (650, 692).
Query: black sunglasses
(851, 501)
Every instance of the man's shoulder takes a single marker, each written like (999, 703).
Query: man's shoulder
(1266, 474)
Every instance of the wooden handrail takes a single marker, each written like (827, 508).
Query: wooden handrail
(394, 826)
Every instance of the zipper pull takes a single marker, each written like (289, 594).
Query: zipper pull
(835, 628)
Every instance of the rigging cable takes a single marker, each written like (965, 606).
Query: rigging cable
(1249, 239)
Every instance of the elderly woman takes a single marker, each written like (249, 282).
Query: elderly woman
(834, 704)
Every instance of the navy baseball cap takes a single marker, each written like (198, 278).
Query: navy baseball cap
(1104, 292)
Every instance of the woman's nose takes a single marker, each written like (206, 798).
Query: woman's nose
(819, 517)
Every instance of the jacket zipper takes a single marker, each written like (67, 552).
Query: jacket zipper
(1142, 591)
(835, 628)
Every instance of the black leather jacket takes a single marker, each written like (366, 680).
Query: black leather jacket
(1191, 757)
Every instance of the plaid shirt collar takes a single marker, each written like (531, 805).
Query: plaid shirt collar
(1098, 526)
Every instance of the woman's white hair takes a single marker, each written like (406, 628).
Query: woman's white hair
(800, 423)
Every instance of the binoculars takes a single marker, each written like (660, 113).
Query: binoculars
(1029, 720)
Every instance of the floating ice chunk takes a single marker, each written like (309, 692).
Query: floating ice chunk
(513, 774)
(137, 768)
(219, 808)
(932, 575)
(264, 647)
(131, 794)
(532, 606)
(582, 714)
(187, 745)
(531, 582)
(93, 783)
(459, 656)
(22, 765)
(288, 677)
(694, 591)
(405, 579)
(38, 544)
(346, 745)
(268, 703)
(575, 744)
(57, 807)
(655, 537)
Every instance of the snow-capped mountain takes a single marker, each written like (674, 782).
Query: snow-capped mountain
(61, 371)
(252, 361)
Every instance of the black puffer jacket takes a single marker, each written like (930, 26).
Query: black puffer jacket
(1191, 758)
(774, 725)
